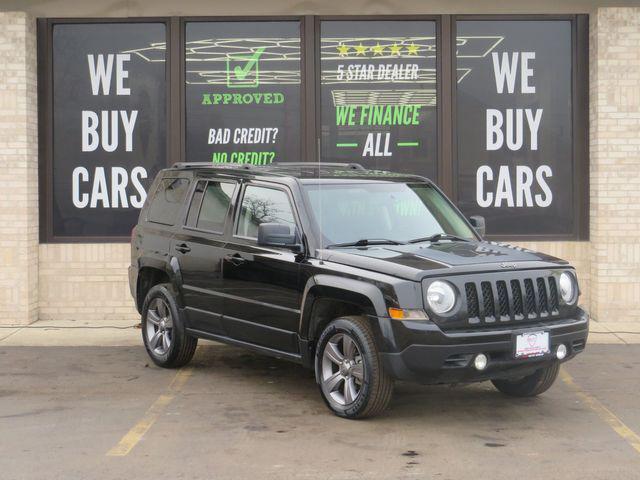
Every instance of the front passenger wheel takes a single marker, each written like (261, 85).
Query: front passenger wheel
(163, 332)
(352, 380)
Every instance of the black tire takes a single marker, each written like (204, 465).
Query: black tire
(181, 346)
(538, 382)
(374, 385)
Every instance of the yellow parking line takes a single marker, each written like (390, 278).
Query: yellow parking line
(133, 436)
(603, 412)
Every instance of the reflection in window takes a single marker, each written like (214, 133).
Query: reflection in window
(396, 211)
(167, 201)
(263, 205)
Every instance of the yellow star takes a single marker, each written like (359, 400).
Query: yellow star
(395, 49)
(413, 49)
(343, 50)
(360, 49)
(378, 49)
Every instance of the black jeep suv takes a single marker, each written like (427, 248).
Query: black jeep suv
(364, 276)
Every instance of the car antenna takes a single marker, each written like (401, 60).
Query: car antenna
(321, 200)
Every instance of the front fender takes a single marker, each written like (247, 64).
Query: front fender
(365, 296)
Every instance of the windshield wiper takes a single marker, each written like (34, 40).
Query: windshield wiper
(437, 237)
(365, 242)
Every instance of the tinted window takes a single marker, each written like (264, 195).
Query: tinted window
(378, 94)
(167, 201)
(263, 205)
(196, 201)
(514, 124)
(215, 205)
(396, 211)
(242, 91)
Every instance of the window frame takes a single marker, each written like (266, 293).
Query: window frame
(310, 121)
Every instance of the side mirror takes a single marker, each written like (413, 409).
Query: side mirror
(478, 223)
(278, 235)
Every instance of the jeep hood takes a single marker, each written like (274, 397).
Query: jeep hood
(416, 261)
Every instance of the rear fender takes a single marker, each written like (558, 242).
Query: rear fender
(171, 269)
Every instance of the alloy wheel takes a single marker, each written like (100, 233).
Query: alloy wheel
(342, 369)
(159, 327)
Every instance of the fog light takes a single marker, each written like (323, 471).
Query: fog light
(480, 362)
(561, 351)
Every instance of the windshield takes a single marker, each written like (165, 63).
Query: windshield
(398, 212)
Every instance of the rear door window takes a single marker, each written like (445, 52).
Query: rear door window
(167, 201)
(196, 201)
(210, 205)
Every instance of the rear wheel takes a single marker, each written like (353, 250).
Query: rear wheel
(163, 332)
(538, 382)
(352, 381)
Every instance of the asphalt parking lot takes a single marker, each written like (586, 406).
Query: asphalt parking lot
(107, 412)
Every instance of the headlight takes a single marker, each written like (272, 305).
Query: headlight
(567, 287)
(441, 297)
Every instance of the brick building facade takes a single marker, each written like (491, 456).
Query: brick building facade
(76, 280)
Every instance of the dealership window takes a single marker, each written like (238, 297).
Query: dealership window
(242, 91)
(378, 94)
(108, 126)
(514, 102)
(494, 108)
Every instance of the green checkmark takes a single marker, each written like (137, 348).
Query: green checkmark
(242, 72)
(239, 76)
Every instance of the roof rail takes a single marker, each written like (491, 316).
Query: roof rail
(240, 166)
(350, 166)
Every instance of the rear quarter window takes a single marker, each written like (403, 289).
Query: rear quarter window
(167, 201)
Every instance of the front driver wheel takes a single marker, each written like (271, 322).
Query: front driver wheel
(352, 381)
(538, 382)
(163, 332)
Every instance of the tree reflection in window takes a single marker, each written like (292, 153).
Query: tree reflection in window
(263, 205)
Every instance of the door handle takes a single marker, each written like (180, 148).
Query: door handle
(236, 259)
(183, 248)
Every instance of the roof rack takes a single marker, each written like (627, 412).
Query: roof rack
(275, 165)
(237, 166)
(349, 166)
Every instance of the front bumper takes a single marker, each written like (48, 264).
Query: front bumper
(429, 355)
